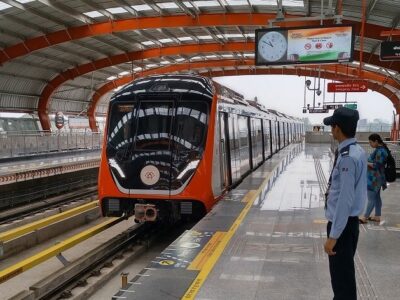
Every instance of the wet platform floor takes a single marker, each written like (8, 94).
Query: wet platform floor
(276, 252)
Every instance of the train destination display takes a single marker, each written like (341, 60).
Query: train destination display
(285, 46)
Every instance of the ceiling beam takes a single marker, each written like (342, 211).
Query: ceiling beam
(203, 20)
(66, 10)
(190, 49)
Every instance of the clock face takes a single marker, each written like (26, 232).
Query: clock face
(272, 46)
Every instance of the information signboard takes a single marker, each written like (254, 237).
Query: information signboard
(318, 111)
(348, 86)
(332, 106)
(304, 45)
(351, 105)
(390, 50)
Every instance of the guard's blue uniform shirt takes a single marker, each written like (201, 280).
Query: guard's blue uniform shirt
(348, 191)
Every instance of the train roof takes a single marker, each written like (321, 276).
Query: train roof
(191, 83)
(179, 83)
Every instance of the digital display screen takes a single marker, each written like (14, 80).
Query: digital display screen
(286, 46)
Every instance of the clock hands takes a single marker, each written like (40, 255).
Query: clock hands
(269, 43)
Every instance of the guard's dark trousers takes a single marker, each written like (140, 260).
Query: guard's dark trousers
(341, 265)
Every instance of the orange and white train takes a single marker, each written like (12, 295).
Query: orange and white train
(174, 144)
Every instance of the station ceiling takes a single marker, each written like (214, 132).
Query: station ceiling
(69, 55)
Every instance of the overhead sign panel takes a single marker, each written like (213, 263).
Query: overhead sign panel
(332, 106)
(318, 111)
(305, 45)
(390, 50)
(351, 105)
(347, 86)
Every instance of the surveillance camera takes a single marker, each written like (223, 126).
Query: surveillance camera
(319, 92)
(308, 82)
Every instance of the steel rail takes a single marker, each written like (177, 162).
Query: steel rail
(23, 211)
(22, 230)
(44, 255)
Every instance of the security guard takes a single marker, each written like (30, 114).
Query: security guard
(345, 200)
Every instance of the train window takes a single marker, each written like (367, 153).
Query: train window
(121, 127)
(154, 125)
(2, 126)
(28, 125)
(12, 125)
(190, 125)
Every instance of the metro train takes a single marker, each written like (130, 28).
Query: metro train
(174, 144)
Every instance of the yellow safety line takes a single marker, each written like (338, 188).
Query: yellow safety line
(250, 197)
(207, 251)
(320, 221)
(19, 231)
(32, 261)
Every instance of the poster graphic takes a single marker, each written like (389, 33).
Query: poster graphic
(319, 44)
(285, 46)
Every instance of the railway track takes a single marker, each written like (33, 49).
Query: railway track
(18, 213)
(123, 247)
(29, 235)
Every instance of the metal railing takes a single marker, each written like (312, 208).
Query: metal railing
(360, 128)
(35, 143)
(393, 146)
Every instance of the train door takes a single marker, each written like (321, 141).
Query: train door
(278, 130)
(283, 132)
(288, 134)
(267, 138)
(273, 139)
(256, 142)
(226, 176)
(234, 147)
(244, 145)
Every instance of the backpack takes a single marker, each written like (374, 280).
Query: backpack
(390, 167)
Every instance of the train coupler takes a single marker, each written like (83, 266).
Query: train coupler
(145, 213)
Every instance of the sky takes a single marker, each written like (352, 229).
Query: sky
(286, 94)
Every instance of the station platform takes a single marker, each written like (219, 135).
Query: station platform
(17, 170)
(264, 240)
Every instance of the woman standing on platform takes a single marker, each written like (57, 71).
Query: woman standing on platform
(376, 178)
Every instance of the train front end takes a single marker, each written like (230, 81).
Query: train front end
(154, 160)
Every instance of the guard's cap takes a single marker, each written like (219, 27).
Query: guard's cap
(343, 117)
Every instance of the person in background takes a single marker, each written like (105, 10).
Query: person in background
(376, 178)
(345, 201)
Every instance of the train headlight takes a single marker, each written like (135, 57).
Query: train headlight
(115, 166)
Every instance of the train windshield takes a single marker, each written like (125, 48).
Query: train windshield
(159, 125)
(190, 125)
(167, 134)
(154, 125)
(121, 128)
